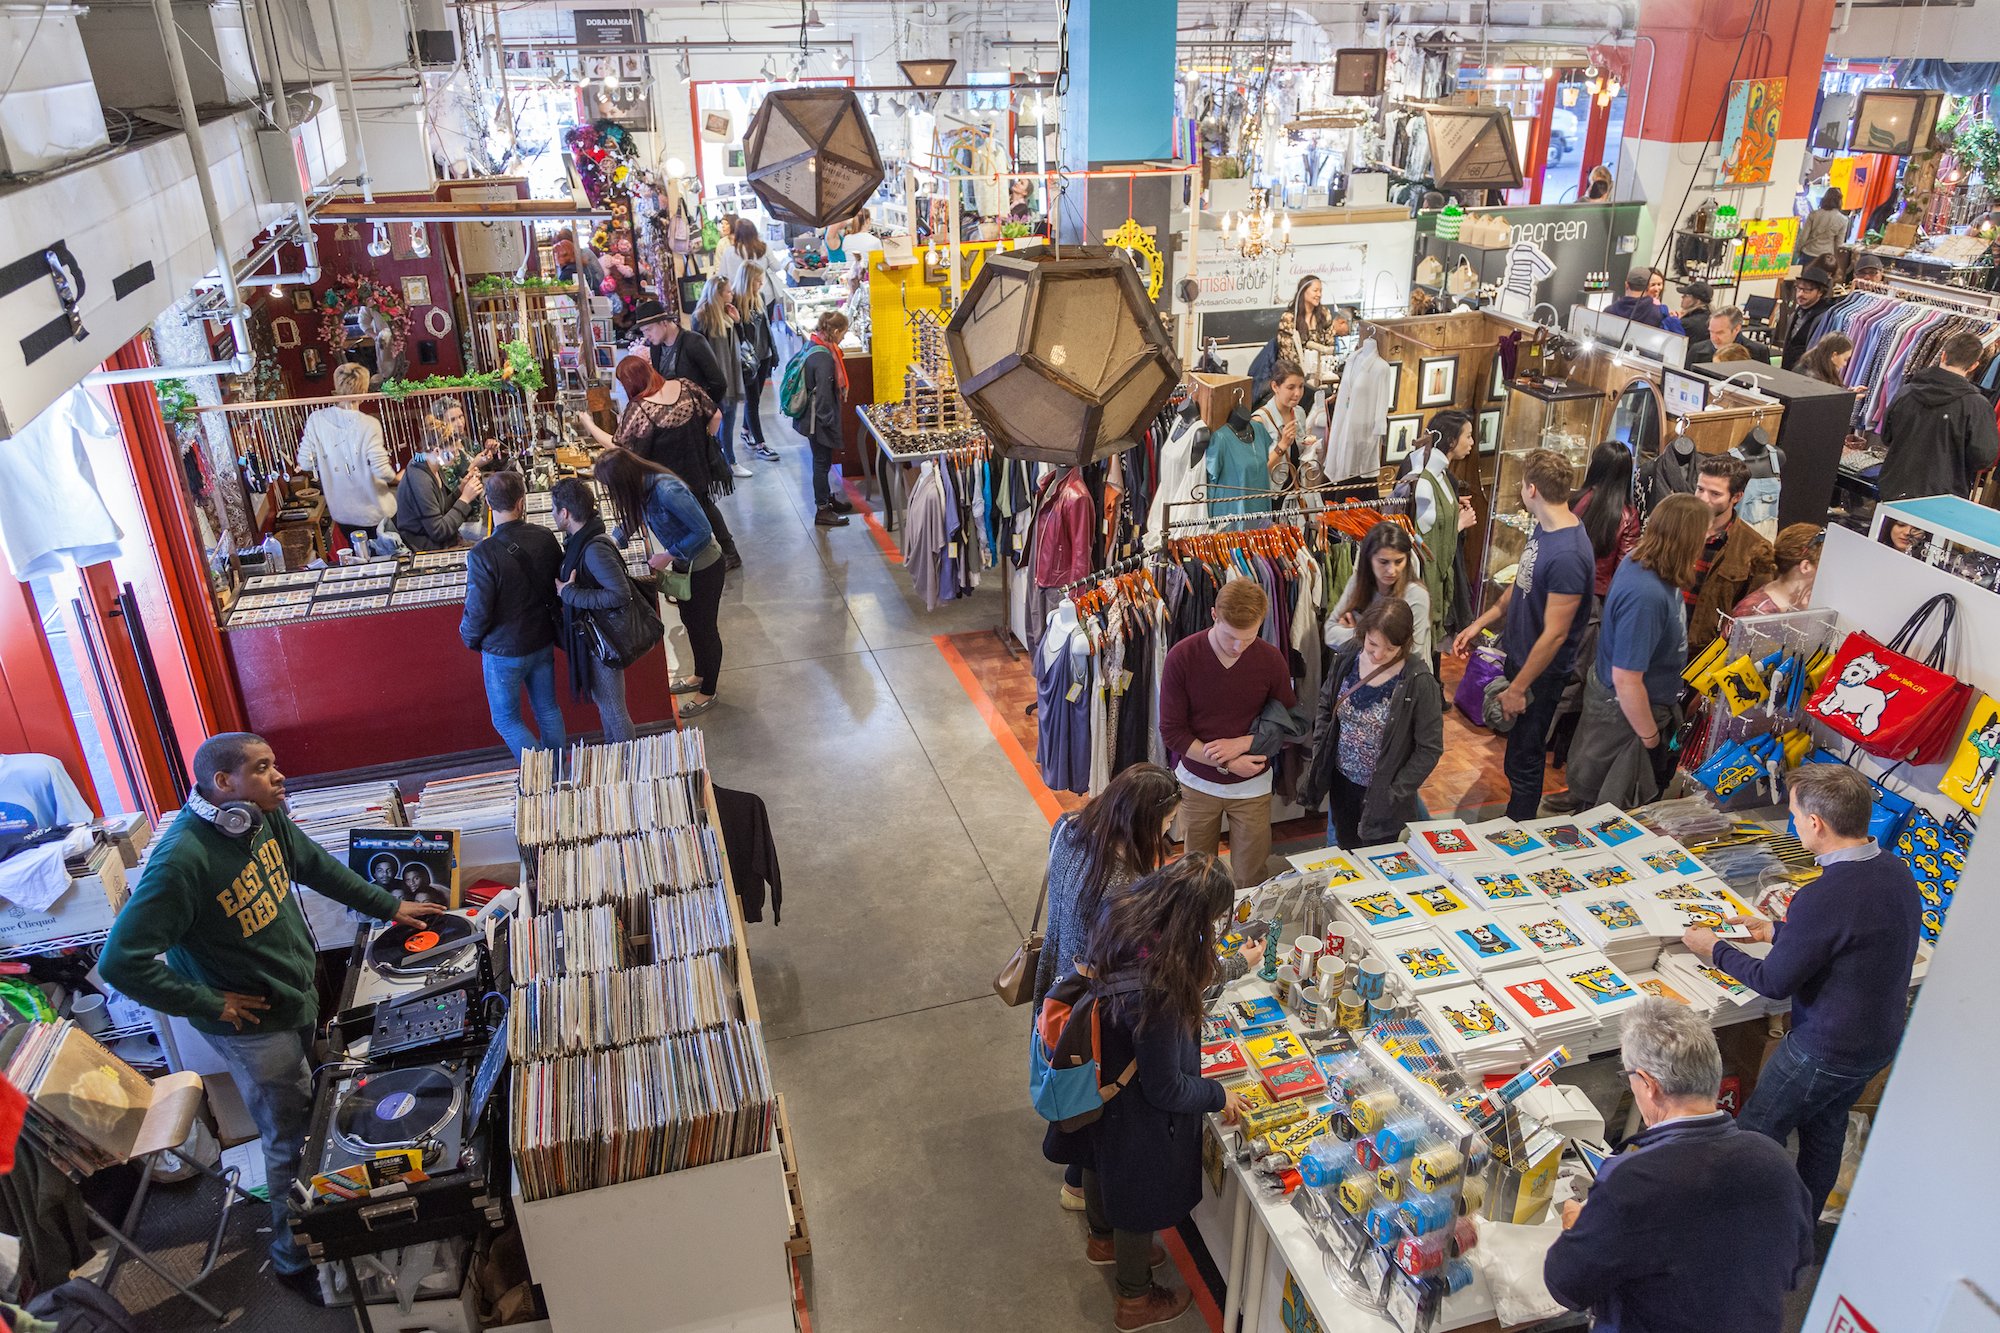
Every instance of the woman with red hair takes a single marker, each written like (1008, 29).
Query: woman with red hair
(668, 422)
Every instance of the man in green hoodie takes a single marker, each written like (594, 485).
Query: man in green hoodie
(238, 961)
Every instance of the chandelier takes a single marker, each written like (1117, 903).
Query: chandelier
(1255, 232)
(1604, 87)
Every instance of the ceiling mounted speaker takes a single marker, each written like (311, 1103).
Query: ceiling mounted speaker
(810, 155)
(1062, 360)
(1472, 147)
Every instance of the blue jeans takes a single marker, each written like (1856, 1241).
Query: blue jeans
(504, 678)
(275, 1077)
(1799, 1091)
(731, 412)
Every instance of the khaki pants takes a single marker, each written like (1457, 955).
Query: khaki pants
(1249, 819)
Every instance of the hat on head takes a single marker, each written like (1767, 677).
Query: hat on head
(1869, 264)
(649, 312)
(1818, 276)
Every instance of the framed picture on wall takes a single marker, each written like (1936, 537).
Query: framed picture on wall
(1437, 381)
(416, 291)
(1496, 382)
(1486, 429)
(314, 364)
(302, 300)
(1403, 431)
(1395, 385)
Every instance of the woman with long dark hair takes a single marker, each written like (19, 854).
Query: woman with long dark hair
(1152, 952)
(646, 496)
(1386, 567)
(668, 423)
(1827, 361)
(1379, 732)
(1604, 505)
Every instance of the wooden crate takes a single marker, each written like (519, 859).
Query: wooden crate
(800, 1241)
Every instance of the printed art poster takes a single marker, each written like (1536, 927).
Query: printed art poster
(1750, 130)
(1768, 245)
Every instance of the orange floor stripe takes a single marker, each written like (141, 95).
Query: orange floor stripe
(1023, 762)
(867, 513)
(1177, 1251)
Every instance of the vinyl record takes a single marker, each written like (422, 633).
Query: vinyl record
(407, 950)
(396, 1107)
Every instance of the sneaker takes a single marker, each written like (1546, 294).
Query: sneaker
(1099, 1250)
(1157, 1306)
(829, 518)
(1072, 1200)
(765, 452)
(305, 1282)
(739, 470)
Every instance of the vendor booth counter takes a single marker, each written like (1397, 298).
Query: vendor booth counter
(398, 686)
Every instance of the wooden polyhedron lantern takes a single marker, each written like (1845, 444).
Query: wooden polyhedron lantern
(810, 155)
(1062, 360)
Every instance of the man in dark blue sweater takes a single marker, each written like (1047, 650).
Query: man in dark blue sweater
(1693, 1226)
(1842, 956)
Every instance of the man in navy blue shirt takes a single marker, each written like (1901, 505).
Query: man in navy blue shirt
(1842, 956)
(1693, 1225)
(1542, 615)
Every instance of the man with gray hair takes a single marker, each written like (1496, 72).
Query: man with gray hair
(1842, 955)
(1693, 1225)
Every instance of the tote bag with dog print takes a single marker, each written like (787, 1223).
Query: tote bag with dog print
(1891, 704)
(1969, 779)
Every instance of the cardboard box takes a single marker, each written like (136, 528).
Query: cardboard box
(86, 906)
(1216, 396)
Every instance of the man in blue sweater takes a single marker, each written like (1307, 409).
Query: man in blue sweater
(1842, 956)
(1693, 1225)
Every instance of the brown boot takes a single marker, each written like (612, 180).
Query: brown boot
(1157, 1306)
(1100, 1251)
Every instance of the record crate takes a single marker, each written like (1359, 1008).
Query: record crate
(799, 1242)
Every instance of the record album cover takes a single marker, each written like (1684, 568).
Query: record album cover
(417, 865)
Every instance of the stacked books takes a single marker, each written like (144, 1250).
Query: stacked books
(1550, 1011)
(1483, 943)
(1473, 1027)
(1603, 986)
(1616, 924)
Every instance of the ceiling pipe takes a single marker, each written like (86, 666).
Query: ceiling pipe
(353, 110)
(239, 317)
(300, 230)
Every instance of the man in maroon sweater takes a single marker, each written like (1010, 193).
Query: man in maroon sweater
(1212, 690)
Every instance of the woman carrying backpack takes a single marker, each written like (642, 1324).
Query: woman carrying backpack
(1152, 952)
(824, 373)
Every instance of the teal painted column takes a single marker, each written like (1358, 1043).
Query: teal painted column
(1120, 106)
(1119, 111)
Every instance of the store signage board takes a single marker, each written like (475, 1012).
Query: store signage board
(1579, 239)
(1231, 282)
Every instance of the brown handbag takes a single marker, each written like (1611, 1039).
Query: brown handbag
(1016, 983)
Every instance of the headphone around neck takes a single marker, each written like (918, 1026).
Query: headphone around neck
(232, 819)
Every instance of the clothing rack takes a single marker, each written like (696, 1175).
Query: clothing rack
(1128, 565)
(1916, 290)
(1387, 506)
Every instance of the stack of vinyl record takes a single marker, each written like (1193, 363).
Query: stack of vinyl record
(327, 814)
(633, 1053)
(479, 804)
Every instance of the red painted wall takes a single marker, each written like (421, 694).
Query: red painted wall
(1698, 41)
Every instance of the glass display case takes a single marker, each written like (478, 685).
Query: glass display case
(1541, 414)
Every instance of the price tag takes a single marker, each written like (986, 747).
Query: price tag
(1075, 693)
(951, 551)
(1124, 681)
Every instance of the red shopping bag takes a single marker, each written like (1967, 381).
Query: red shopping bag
(1892, 704)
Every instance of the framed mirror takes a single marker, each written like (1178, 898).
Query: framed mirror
(1637, 420)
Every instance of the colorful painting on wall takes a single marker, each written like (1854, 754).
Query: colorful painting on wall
(1750, 131)
(1768, 245)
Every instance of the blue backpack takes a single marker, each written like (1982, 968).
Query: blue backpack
(794, 396)
(1065, 1046)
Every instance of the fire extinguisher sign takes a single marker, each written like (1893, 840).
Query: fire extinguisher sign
(1847, 1319)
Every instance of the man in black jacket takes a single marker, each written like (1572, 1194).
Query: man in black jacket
(510, 617)
(1695, 296)
(1940, 433)
(1694, 1224)
(676, 357)
(1812, 302)
(1725, 326)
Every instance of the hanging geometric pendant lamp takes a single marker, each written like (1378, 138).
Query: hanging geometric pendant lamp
(1061, 360)
(810, 155)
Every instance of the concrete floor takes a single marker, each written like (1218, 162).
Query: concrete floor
(912, 854)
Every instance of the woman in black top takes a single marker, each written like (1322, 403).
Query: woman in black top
(1153, 952)
(670, 422)
(1379, 732)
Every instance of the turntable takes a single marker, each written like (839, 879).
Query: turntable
(390, 962)
(413, 1142)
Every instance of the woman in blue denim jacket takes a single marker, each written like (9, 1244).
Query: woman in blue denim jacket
(646, 494)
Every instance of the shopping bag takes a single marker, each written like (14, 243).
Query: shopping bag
(1890, 703)
(1887, 807)
(1934, 850)
(1734, 764)
(1969, 778)
(1485, 662)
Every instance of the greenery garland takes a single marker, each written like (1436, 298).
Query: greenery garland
(499, 284)
(522, 372)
